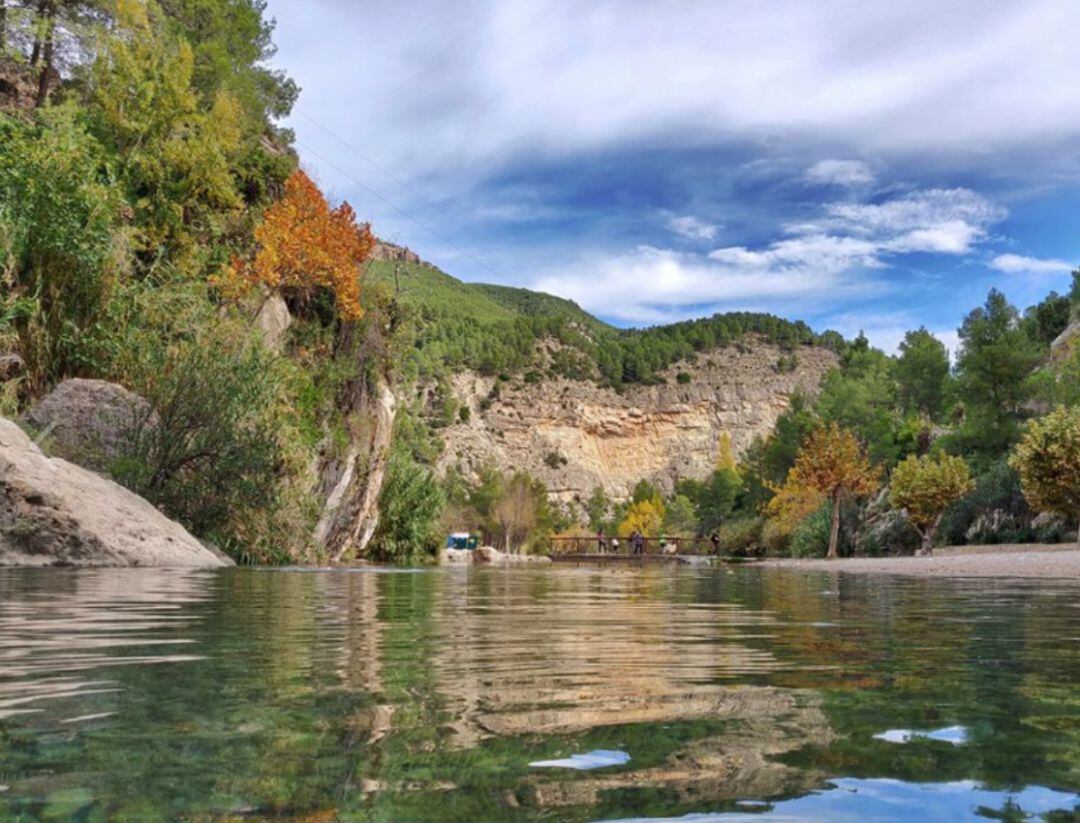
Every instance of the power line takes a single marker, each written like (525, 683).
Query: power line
(405, 214)
(404, 184)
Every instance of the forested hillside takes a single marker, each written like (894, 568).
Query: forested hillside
(495, 329)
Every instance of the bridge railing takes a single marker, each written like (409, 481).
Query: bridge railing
(652, 545)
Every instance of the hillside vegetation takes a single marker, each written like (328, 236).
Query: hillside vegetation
(496, 329)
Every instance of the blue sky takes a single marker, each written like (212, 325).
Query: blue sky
(875, 166)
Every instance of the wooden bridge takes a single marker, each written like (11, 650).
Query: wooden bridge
(603, 550)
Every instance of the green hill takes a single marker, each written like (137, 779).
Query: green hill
(495, 329)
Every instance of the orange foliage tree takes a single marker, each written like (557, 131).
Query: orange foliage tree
(303, 245)
(830, 465)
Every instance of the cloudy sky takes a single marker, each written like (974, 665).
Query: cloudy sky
(874, 166)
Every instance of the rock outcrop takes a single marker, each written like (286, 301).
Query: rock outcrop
(351, 483)
(1064, 342)
(576, 436)
(88, 420)
(273, 321)
(54, 513)
(389, 251)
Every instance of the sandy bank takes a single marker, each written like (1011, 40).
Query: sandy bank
(1037, 561)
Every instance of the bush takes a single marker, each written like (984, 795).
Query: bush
(775, 538)
(464, 414)
(811, 537)
(554, 460)
(410, 504)
(741, 537)
(210, 454)
(996, 489)
(682, 378)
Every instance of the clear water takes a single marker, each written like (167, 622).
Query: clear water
(696, 695)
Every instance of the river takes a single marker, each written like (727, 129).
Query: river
(536, 694)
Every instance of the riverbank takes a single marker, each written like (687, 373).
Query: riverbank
(1059, 562)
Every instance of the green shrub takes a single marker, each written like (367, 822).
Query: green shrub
(464, 414)
(410, 503)
(741, 537)
(682, 378)
(210, 454)
(996, 489)
(811, 537)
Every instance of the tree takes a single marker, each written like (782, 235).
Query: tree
(921, 372)
(304, 245)
(597, 507)
(1048, 461)
(716, 498)
(645, 517)
(679, 515)
(516, 512)
(833, 464)
(926, 487)
(993, 377)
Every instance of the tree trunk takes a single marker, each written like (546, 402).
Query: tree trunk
(834, 534)
(35, 54)
(47, 54)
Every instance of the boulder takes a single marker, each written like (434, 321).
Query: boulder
(488, 556)
(273, 321)
(54, 513)
(89, 421)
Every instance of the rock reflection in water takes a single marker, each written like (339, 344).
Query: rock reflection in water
(55, 626)
(364, 696)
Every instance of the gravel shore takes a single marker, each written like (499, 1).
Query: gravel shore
(1038, 561)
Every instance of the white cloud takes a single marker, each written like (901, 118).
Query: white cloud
(1018, 264)
(692, 228)
(650, 285)
(839, 173)
(816, 263)
(473, 84)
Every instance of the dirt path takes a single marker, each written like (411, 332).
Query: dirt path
(1060, 562)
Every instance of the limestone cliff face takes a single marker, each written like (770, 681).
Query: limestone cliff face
(576, 436)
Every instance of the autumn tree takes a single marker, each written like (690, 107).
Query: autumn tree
(305, 245)
(1048, 462)
(645, 517)
(516, 512)
(833, 464)
(925, 487)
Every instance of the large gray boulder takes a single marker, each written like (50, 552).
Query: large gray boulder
(54, 513)
(88, 421)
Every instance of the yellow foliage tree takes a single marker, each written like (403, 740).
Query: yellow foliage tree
(725, 459)
(1048, 462)
(925, 487)
(830, 466)
(645, 517)
(303, 245)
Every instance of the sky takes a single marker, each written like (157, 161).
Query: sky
(861, 166)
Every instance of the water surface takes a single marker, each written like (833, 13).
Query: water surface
(536, 694)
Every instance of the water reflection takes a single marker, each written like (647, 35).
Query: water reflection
(281, 695)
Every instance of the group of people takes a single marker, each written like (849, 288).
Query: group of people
(637, 543)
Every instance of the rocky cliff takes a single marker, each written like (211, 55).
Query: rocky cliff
(576, 436)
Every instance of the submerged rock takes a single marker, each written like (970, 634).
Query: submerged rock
(54, 513)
